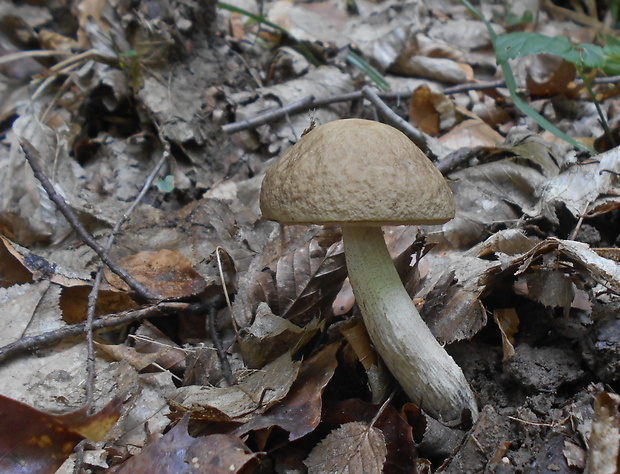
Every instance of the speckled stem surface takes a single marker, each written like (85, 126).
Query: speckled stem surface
(425, 371)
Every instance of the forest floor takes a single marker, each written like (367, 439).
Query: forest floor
(213, 340)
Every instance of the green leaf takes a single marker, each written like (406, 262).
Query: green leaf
(611, 52)
(165, 185)
(515, 45)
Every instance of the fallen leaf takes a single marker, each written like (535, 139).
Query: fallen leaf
(270, 336)
(604, 443)
(353, 448)
(507, 321)
(255, 394)
(165, 273)
(401, 453)
(37, 442)
(300, 412)
(178, 452)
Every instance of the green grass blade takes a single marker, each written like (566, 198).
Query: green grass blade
(367, 69)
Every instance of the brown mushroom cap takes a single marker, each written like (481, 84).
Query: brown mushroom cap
(356, 172)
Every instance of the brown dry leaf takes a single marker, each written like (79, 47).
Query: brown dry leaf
(551, 288)
(298, 276)
(37, 442)
(178, 452)
(20, 265)
(151, 351)
(74, 303)
(270, 336)
(254, 395)
(574, 454)
(306, 278)
(507, 321)
(604, 445)
(549, 75)
(379, 379)
(354, 448)
(431, 111)
(300, 411)
(471, 133)
(398, 433)
(355, 334)
(488, 193)
(439, 69)
(581, 188)
(165, 273)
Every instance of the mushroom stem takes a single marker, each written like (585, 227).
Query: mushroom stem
(425, 371)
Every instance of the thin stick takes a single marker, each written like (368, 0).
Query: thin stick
(310, 102)
(219, 347)
(94, 293)
(111, 321)
(32, 155)
(414, 134)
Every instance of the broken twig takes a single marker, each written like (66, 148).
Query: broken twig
(31, 156)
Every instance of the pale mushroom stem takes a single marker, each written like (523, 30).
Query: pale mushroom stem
(425, 371)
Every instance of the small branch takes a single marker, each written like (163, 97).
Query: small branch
(311, 102)
(270, 115)
(31, 156)
(219, 347)
(94, 293)
(414, 134)
(108, 322)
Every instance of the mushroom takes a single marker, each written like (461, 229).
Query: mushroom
(361, 175)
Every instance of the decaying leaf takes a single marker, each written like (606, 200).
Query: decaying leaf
(401, 453)
(270, 336)
(74, 302)
(298, 276)
(581, 187)
(177, 451)
(165, 273)
(254, 395)
(603, 455)
(507, 321)
(37, 442)
(300, 411)
(352, 448)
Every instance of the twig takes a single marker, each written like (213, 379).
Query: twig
(396, 120)
(94, 293)
(31, 155)
(108, 322)
(219, 347)
(269, 115)
(454, 159)
(311, 102)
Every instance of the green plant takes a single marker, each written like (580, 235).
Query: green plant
(514, 45)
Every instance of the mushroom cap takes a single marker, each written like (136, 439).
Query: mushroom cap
(355, 172)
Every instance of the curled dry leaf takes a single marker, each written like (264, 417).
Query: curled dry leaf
(353, 448)
(507, 321)
(471, 133)
(270, 336)
(439, 69)
(253, 395)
